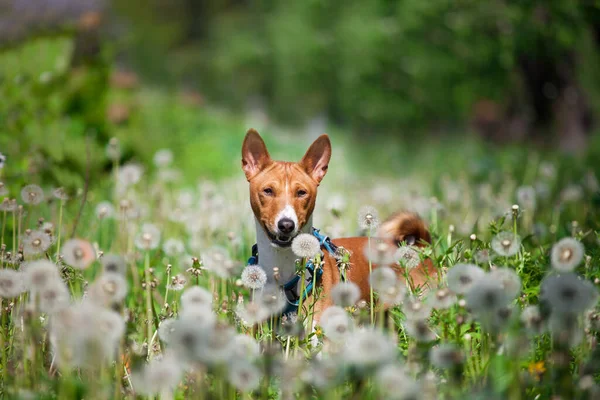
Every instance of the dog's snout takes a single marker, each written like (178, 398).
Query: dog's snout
(286, 225)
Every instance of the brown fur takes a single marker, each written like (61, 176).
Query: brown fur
(286, 179)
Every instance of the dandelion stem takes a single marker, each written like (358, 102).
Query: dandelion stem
(149, 311)
(60, 213)
(370, 287)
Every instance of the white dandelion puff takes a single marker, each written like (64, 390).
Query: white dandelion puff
(173, 247)
(244, 376)
(159, 377)
(78, 253)
(148, 237)
(196, 297)
(104, 210)
(532, 319)
(446, 356)
(382, 278)
(306, 245)
(509, 280)
(368, 348)
(506, 244)
(368, 218)
(567, 254)
(568, 293)
(345, 294)
(38, 274)
(419, 329)
(254, 277)
(462, 277)
(113, 263)
(32, 194)
(487, 296)
(407, 257)
(109, 288)
(441, 299)
(163, 158)
(35, 242)
(11, 283)
(337, 327)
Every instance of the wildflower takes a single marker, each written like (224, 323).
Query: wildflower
(506, 244)
(54, 297)
(2, 160)
(254, 277)
(381, 254)
(526, 197)
(187, 339)
(173, 247)
(105, 210)
(322, 373)
(166, 329)
(536, 369)
(484, 256)
(462, 277)
(441, 299)
(415, 309)
(337, 327)
(331, 312)
(11, 283)
(273, 299)
(393, 295)
(487, 296)
(395, 383)
(345, 294)
(532, 319)
(3, 189)
(109, 288)
(382, 278)
(408, 257)
(113, 149)
(419, 330)
(78, 253)
(245, 348)
(196, 297)
(571, 193)
(178, 282)
(252, 313)
(368, 348)
(32, 194)
(219, 346)
(567, 293)
(446, 356)
(306, 245)
(148, 237)
(509, 280)
(60, 194)
(203, 317)
(38, 274)
(8, 205)
(130, 174)
(35, 242)
(163, 158)
(113, 263)
(159, 377)
(244, 376)
(368, 218)
(567, 254)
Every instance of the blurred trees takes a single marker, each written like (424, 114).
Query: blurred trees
(511, 68)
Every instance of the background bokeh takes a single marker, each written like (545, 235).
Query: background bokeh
(397, 83)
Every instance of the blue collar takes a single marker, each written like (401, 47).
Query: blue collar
(312, 278)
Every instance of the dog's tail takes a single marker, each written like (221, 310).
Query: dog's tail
(405, 227)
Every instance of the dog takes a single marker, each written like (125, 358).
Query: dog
(283, 196)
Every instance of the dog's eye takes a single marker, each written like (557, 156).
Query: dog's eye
(268, 191)
(301, 193)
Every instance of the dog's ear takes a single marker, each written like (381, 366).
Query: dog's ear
(255, 156)
(316, 160)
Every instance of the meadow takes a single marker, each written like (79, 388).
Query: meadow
(131, 281)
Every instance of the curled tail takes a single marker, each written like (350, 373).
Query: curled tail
(405, 227)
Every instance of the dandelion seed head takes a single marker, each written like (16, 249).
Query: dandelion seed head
(509, 280)
(113, 149)
(178, 282)
(163, 158)
(60, 193)
(441, 299)
(446, 356)
(8, 205)
(219, 346)
(196, 297)
(487, 296)
(506, 244)
(54, 297)
(526, 197)
(381, 254)
(2, 160)
(272, 298)
(532, 319)
(462, 277)
(216, 260)
(337, 204)
(306, 245)
(415, 309)
(245, 348)
(407, 257)
(244, 376)
(109, 288)
(11, 283)
(345, 294)
(393, 295)
(567, 293)
(382, 278)
(368, 218)
(173, 247)
(252, 313)
(35, 242)
(158, 377)
(113, 263)
(566, 328)
(38, 274)
(32, 194)
(337, 327)
(254, 277)
(419, 330)
(3, 189)
(396, 384)
(148, 237)
(484, 256)
(368, 348)
(129, 174)
(166, 329)
(330, 312)
(567, 254)
(105, 210)
(78, 253)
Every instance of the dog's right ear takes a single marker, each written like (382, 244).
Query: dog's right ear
(255, 156)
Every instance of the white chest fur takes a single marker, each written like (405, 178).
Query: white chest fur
(271, 256)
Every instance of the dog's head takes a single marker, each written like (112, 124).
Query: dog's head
(283, 194)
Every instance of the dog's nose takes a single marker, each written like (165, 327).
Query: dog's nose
(286, 225)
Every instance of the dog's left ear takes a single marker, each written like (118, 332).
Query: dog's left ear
(316, 160)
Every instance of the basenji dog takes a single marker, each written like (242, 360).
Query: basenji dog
(283, 196)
